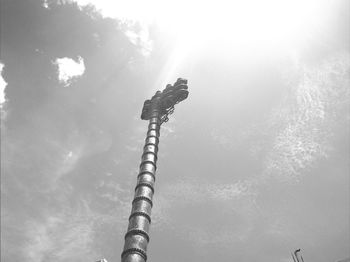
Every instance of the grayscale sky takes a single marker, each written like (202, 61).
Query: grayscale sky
(253, 165)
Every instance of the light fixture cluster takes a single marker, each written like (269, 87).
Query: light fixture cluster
(168, 98)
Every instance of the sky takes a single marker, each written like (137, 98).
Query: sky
(253, 165)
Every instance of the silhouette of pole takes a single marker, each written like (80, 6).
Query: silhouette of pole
(296, 257)
(156, 110)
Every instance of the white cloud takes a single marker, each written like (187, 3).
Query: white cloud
(126, 10)
(2, 86)
(45, 4)
(69, 69)
(141, 39)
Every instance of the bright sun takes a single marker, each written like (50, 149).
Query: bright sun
(231, 26)
(237, 22)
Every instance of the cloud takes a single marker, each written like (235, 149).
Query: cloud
(58, 236)
(141, 38)
(204, 191)
(113, 192)
(189, 193)
(344, 260)
(69, 69)
(226, 192)
(2, 86)
(306, 119)
(51, 157)
(45, 4)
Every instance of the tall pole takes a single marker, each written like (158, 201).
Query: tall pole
(156, 111)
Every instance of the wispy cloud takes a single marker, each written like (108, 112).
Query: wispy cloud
(298, 132)
(186, 193)
(203, 191)
(59, 236)
(306, 118)
(344, 260)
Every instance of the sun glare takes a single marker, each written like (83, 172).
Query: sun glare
(231, 27)
(235, 22)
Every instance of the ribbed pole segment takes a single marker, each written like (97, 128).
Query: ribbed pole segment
(137, 236)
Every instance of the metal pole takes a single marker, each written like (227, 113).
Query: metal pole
(156, 111)
(137, 237)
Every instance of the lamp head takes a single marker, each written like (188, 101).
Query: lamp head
(167, 99)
